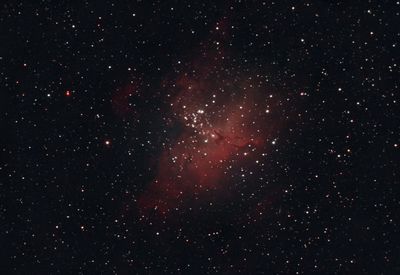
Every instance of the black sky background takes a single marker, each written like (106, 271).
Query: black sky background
(67, 200)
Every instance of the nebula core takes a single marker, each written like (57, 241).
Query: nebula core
(228, 119)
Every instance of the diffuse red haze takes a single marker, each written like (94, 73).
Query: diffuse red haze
(228, 121)
(121, 102)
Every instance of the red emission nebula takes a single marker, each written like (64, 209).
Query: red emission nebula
(228, 124)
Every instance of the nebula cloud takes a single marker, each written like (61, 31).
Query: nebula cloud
(228, 120)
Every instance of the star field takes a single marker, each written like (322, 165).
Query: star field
(199, 137)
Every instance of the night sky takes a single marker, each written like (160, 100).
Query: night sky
(199, 137)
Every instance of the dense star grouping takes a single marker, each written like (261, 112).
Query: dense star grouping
(199, 137)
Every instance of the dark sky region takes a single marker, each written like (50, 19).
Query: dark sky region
(199, 137)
